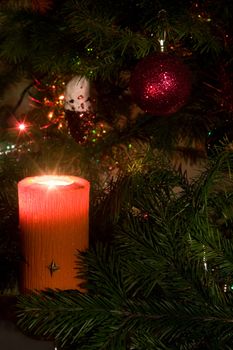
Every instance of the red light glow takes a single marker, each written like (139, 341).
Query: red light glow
(22, 127)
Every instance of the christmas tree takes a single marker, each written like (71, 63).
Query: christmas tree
(121, 93)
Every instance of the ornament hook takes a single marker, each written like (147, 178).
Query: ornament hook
(162, 41)
(162, 19)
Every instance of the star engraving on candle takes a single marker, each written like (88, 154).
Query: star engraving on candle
(53, 267)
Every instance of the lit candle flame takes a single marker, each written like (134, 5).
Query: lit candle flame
(52, 181)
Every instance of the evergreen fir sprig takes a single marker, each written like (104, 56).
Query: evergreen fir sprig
(105, 36)
(35, 40)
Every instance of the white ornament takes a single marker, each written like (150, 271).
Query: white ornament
(77, 95)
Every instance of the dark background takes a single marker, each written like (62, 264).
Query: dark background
(11, 338)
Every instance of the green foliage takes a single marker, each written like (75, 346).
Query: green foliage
(103, 42)
(159, 283)
(99, 38)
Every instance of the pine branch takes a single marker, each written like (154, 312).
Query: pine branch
(100, 38)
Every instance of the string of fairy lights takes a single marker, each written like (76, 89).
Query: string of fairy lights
(50, 99)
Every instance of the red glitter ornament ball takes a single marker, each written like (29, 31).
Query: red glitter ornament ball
(160, 84)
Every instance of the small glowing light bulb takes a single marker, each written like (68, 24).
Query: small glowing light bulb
(21, 126)
(50, 115)
(61, 97)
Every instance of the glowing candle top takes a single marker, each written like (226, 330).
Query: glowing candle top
(54, 182)
(57, 195)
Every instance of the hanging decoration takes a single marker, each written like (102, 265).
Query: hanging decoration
(160, 84)
(49, 98)
(79, 113)
(80, 125)
(77, 95)
(69, 108)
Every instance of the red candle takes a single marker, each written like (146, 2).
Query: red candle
(53, 218)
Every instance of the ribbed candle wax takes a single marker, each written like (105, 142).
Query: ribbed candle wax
(53, 218)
